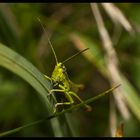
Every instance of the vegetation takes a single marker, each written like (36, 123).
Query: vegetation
(110, 31)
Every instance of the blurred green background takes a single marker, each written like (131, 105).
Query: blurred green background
(21, 31)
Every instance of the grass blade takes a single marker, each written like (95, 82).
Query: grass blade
(20, 66)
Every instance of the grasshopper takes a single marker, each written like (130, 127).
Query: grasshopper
(60, 79)
(61, 82)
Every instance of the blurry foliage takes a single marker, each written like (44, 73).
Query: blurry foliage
(20, 30)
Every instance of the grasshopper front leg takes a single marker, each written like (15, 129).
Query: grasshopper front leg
(62, 89)
(55, 90)
(48, 77)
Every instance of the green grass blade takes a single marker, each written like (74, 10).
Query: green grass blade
(6, 133)
(131, 96)
(20, 66)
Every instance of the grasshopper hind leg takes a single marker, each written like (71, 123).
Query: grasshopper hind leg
(88, 108)
(69, 102)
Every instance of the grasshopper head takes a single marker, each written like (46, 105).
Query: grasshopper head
(59, 73)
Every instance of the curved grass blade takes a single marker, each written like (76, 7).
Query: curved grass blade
(20, 66)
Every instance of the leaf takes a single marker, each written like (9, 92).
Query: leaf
(94, 55)
(20, 66)
(131, 96)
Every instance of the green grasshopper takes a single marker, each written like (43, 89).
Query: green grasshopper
(61, 82)
(60, 79)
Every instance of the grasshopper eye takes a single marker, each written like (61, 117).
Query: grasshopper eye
(63, 68)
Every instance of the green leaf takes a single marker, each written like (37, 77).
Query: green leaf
(130, 94)
(20, 66)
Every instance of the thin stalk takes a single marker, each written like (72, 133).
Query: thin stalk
(59, 113)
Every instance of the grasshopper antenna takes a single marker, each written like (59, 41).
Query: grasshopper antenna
(49, 41)
(74, 55)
